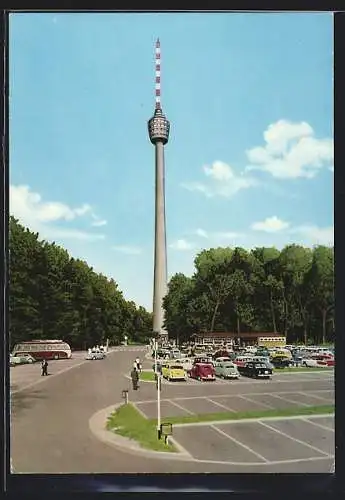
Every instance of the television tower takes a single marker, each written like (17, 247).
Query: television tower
(158, 127)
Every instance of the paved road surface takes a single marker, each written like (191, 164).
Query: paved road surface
(50, 421)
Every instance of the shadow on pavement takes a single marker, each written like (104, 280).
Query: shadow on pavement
(24, 400)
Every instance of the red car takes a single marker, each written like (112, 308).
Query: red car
(325, 360)
(203, 371)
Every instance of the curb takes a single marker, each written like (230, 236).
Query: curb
(97, 426)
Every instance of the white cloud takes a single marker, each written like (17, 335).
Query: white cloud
(291, 151)
(315, 235)
(38, 215)
(181, 245)
(99, 223)
(201, 233)
(270, 225)
(129, 250)
(223, 181)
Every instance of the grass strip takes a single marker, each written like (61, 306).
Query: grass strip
(147, 376)
(209, 417)
(303, 369)
(128, 422)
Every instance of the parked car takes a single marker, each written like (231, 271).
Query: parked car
(222, 359)
(242, 360)
(226, 369)
(204, 359)
(318, 360)
(202, 371)
(263, 359)
(22, 359)
(174, 353)
(255, 370)
(173, 372)
(281, 353)
(95, 355)
(281, 362)
(187, 363)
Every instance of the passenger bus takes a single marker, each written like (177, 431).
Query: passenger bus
(43, 349)
(272, 342)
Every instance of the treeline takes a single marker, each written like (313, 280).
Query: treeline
(54, 296)
(265, 290)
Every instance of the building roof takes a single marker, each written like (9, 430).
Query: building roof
(222, 335)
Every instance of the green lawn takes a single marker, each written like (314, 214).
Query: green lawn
(147, 376)
(208, 417)
(128, 422)
(302, 369)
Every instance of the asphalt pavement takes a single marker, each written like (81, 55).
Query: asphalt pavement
(50, 420)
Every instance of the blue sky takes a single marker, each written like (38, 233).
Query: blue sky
(250, 156)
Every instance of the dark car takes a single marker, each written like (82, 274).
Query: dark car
(281, 362)
(255, 370)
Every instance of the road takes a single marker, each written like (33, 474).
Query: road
(50, 419)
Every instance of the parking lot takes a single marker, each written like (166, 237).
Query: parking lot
(255, 442)
(218, 403)
(260, 442)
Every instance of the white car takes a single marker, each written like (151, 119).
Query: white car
(187, 363)
(309, 362)
(95, 355)
(222, 359)
(21, 360)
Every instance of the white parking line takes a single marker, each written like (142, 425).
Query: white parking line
(313, 396)
(181, 407)
(227, 395)
(239, 443)
(290, 400)
(220, 404)
(250, 420)
(318, 425)
(256, 402)
(294, 439)
(139, 410)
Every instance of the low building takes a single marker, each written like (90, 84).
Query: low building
(220, 338)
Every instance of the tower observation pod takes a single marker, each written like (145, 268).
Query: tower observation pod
(159, 128)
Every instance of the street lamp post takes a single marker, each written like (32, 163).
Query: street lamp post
(158, 393)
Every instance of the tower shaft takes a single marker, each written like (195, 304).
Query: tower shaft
(160, 262)
(158, 128)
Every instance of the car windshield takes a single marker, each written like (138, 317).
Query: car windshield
(260, 365)
(229, 365)
(176, 367)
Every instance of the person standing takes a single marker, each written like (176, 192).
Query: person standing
(137, 361)
(135, 378)
(44, 367)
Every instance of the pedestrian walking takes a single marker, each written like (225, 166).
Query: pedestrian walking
(138, 364)
(135, 378)
(44, 367)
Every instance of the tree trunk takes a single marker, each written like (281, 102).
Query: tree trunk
(324, 316)
(305, 335)
(273, 313)
(214, 316)
(238, 324)
(285, 312)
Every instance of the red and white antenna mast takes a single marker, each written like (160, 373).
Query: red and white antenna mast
(158, 74)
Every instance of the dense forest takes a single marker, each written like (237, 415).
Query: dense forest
(289, 291)
(54, 296)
